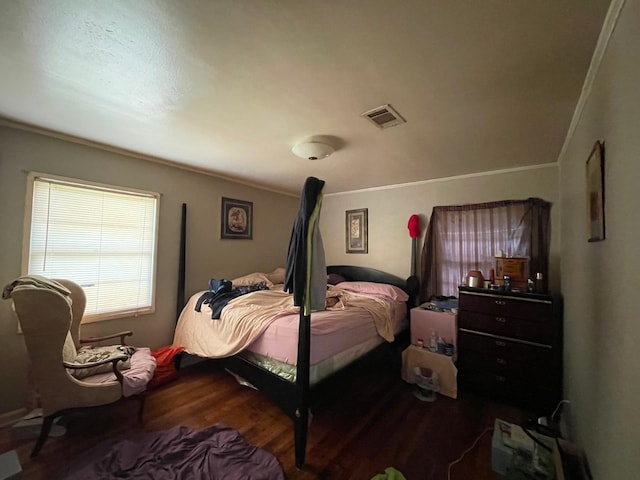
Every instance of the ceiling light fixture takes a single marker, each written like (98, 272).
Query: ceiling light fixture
(312, 150)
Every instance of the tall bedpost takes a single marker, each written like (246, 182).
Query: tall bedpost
(182, 261)
(306, 278)
(177, 360)
(301, 420)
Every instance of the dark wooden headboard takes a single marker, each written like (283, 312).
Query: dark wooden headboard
(355, 273)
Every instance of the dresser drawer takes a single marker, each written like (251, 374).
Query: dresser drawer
(533, 331)
(509, 388)
(534, 310)
(531, 373)
(509, 350)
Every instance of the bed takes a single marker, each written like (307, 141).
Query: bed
(288, 358)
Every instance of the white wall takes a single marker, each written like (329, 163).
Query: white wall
(207, 255)
(600, 280)
(390, 209)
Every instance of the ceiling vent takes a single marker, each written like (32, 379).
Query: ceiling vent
(384, 117)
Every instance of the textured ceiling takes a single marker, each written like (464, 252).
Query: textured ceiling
(229, 86)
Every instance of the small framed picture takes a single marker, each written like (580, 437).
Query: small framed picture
(356, 231)
(595, 194)
(236, 219)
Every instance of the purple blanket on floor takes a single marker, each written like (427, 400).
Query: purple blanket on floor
(217, 452)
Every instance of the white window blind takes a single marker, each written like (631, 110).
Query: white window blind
(102, 238)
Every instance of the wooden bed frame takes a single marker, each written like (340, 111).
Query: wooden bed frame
(295, 399)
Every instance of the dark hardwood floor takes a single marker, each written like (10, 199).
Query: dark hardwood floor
(368, 422)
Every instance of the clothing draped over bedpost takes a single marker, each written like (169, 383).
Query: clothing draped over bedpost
(306, 278)
(306, 272)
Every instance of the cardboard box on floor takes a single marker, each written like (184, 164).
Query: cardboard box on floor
(10, 468)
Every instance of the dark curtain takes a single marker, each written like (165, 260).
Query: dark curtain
(468, 237)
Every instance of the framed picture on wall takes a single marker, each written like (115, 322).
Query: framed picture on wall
(595, 194)
(236, 219)
(356, 231)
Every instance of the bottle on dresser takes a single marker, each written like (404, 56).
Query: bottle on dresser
(433, 341)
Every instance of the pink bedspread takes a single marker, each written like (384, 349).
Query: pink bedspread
(332, 332)
(240, 323)
(269, 314)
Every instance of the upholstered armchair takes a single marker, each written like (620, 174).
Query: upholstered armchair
(68, 375)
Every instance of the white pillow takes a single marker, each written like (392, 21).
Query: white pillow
(251, 279)
(277, 276)
(379, 289)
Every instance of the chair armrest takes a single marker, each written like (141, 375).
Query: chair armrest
(113, 359)
(120, 335)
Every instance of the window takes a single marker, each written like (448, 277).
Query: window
(101, 237)
(461, 238)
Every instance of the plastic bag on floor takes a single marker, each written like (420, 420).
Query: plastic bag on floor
(166, 370)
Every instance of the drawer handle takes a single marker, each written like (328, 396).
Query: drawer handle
(500, 343)
(501, 320)
(500, 302)
(500, 378)
(501, 361)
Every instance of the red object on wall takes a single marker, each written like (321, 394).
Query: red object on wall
(165, 366)
(414, 226)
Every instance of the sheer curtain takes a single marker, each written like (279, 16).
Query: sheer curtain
(468, 237)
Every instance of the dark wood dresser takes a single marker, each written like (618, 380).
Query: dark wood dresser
(510, 346)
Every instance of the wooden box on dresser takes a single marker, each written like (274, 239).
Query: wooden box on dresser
(510, 346)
